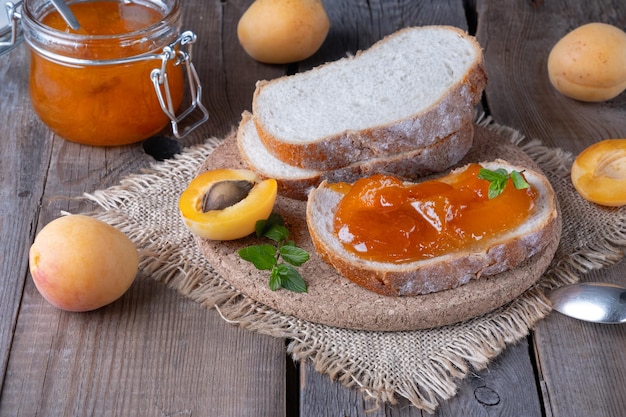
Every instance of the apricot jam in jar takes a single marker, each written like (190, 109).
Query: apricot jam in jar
(116, 80)
(380, 218)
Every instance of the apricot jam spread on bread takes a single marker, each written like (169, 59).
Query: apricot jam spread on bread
(381, 218)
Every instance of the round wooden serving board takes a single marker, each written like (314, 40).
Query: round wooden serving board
(335, 301)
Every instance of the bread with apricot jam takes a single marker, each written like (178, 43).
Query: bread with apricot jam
(453, 261)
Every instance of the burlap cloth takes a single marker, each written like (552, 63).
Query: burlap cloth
(423, 366)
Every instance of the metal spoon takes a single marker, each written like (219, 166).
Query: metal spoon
(597, 302)
(66, 13)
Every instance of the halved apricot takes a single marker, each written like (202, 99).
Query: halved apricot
(229, 215)
(599, 172)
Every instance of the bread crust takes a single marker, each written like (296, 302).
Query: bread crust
(441, 273)
(414, 164)
(439, 120)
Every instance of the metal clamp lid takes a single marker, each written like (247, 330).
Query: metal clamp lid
(180, 50)
(10, 30)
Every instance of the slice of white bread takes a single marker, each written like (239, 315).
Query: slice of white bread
(407, 91)
(497, 254)
(295, 182)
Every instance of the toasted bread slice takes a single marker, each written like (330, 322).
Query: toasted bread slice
(407, 91)
(295, 182)
(499, 253)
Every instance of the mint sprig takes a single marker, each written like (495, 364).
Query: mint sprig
(268, 256)
(498, 179)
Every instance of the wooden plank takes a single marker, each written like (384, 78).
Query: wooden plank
(571, 353)
(227, 73)
(151, 352)
(359, 25)
(322, 397)
(517, 38)
(24, 153)
(505, 388)
(520, 36)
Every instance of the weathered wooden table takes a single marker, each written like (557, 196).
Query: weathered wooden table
(154, 353)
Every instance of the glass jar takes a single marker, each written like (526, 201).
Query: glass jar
(117, 80)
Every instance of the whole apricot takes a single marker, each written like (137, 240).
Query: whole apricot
(599, 173)
(80, 263)
(589, 63)
(283, 31)
(225, 204)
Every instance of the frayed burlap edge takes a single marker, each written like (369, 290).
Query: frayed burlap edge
(428, 373)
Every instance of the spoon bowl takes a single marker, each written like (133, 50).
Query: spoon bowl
(596, 302)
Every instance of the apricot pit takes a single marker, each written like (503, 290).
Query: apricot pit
(224, 194)
(599, 173)
(225, 204)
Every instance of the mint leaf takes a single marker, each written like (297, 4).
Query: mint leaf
(294, 255)
(275, 280)
(262, 256)
(498, 179)
(262, 226)
(267, 256)
(519, 181)
(291, 279)
(497, 175)
(496, 188)
(277, 233)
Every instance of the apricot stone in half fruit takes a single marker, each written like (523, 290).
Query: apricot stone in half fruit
(225, 204)
(599, 172)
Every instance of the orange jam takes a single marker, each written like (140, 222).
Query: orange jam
(106, 104)
(382, 219)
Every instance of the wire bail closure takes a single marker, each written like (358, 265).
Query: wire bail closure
(13, 15)
(180, 50)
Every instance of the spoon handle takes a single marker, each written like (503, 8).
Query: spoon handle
(66, 13)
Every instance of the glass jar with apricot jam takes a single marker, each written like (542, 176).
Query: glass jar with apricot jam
(119, 78)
